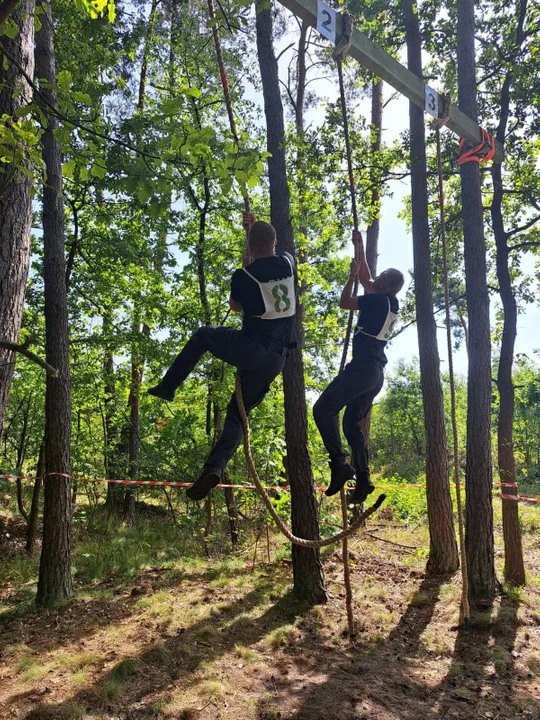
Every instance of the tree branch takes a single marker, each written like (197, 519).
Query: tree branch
(23, 350)
(521, 229)
(520, 246)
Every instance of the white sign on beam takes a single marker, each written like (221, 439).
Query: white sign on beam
(432, 102)
(326, 21)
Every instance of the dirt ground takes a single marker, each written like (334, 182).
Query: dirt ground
(225, 639)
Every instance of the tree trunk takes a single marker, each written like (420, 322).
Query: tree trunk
(55, 566)
(137, 365)
(112, 448)
(34, 509)
(15, 197)
(232, 513)
(373, 229)
(514, 569)
(307, 569)
(443, 551)
(479, 508)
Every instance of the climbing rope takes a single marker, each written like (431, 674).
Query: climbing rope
(464, 573)
(225, 84)
(341, 49)
(302, 542)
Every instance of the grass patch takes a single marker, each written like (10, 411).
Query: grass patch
(114, 684)
(419, 599)
(282, 636)
(212, 689)
(77, 662)
(159, 604)
(248, 655)
(208, 633)
(30, 668)
(72, 710)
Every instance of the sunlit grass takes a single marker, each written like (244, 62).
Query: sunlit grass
(212, 689)
(248, 655)
(282, 636)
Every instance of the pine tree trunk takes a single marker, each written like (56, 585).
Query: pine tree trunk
(15, 197)
(514, 569)
(479, 508)
(34, 508)
(373, 229)
(443, 551)
(307, 569)
(55, 566)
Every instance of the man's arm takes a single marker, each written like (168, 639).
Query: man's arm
(348, 301)
(248, 219)
(363, 273)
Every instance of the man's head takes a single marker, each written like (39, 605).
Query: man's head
(389, 282)
(261, 239)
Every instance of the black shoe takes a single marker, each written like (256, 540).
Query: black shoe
(363, 488)
(162, 392)
(339, 476)
(201, 487)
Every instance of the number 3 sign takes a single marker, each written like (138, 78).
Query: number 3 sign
(432, 102)
(326, 21)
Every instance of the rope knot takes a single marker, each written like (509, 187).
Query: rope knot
(343, 45)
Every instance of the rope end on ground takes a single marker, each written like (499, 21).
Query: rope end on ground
(379, 501)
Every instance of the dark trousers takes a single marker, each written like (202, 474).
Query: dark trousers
(355, 389)
(258, 366)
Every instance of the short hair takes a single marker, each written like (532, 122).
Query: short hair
(394, 280)
(262, 236)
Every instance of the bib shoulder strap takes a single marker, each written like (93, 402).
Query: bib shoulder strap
(251, 276)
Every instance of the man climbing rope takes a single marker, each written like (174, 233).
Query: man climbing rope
(264, 290)
(362, 379)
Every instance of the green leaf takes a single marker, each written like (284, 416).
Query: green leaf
(64, 80)
(10, 28)
(82, 97)
(98, 170)
(68, 168)
(22, 111)
(192, 92)
(172, 107)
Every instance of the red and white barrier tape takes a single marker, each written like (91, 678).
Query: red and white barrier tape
(519, 498)
(284, 488)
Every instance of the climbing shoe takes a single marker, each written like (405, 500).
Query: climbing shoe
(160, 391)
(363, 488)
(201, 487)
(339, 475)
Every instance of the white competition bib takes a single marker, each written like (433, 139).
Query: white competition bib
(386, 330)
(278, 296)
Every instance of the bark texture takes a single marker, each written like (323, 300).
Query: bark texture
(443, 551)
(514, 569)
(479, 508)
(15, 197)
(307, 569)
(55, 567)
(373, 229)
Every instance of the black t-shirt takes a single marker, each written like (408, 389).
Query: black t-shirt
(246, 291)
(376, 318)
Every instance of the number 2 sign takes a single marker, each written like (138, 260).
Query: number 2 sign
(326, 21)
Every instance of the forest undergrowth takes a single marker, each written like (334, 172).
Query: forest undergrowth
(168, 624)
